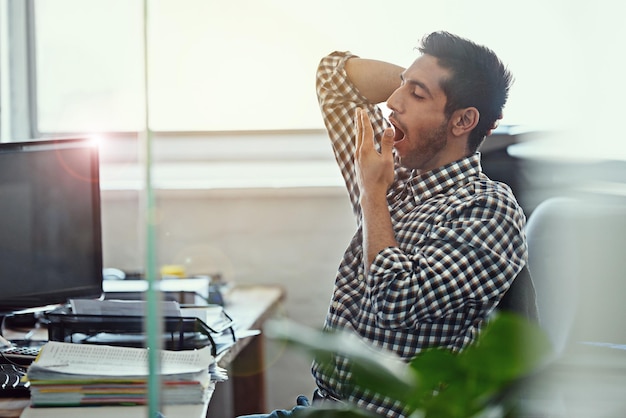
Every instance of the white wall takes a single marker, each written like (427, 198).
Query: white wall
(291, 237)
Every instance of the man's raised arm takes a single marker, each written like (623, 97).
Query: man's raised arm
(375, 80)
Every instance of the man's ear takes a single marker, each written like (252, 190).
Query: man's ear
(464, 120)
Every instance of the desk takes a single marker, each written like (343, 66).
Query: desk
(244, 392)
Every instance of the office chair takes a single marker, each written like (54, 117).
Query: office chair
(545, 290)
(554, 265)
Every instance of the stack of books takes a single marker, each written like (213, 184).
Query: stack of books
(66, 374)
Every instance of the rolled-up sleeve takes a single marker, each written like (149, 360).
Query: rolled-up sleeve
(338, 100)
(465, 260)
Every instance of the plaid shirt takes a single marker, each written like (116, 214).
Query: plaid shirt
(460, 241)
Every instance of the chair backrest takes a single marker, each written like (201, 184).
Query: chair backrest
(521, 297)
(545, 291)
(552, 261)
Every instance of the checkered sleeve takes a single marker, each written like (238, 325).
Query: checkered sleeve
(468, 258)
(338, 99)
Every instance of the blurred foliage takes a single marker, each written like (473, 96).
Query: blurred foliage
(479, 381)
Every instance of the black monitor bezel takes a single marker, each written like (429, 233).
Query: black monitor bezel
(94, 289)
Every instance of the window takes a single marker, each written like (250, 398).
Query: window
(89, 65)
(249, 64)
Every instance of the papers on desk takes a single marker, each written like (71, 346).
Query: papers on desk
(82, 374)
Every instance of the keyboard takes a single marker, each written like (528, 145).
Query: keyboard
(22, 353)
(11, 382)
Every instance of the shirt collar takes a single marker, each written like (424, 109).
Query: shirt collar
(444, 178)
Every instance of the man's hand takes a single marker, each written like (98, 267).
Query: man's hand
(374, 170)
(374, 173)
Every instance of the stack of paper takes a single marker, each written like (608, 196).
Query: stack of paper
(68, 374)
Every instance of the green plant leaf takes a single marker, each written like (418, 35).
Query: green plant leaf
(436, 383)
(378, 371)
(435, 366)
(508, 347)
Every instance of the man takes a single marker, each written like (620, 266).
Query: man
(438, 243)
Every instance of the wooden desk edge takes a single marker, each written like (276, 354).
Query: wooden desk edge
(278, 294)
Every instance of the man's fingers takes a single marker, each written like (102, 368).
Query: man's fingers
(359, 129)
(366, 126)
(386, 145)
(364, 130)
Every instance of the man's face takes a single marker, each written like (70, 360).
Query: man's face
(421, 127)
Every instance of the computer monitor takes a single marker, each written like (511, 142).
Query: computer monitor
(50, 223)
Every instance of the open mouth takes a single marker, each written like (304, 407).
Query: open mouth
(398, 132)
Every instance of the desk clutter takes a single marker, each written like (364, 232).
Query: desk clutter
(95, 355)
(12, 380)
(20, 352)
(121, 323)
(66, 374)
(250, 307)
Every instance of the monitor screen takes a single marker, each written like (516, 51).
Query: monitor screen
(50, 231)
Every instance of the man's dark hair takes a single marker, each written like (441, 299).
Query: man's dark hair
(478, 79)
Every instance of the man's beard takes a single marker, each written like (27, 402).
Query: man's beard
(430, 145)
